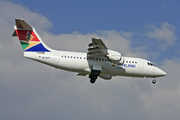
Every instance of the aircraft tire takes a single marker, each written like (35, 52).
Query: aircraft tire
(90, 76)
(93, 79)
(154, 81)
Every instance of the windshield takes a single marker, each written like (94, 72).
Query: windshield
(151, 64)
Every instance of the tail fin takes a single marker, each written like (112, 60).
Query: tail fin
(29, 39)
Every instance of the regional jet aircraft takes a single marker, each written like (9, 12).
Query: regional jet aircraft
(99, 61)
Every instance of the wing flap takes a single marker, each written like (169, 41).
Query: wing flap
(97, 48)
(95, 53)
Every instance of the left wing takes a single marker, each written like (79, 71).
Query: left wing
(97, 48)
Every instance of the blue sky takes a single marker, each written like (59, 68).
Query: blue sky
(130, 16)
(89, 16)
(139, 28)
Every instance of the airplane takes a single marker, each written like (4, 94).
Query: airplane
(99, 61)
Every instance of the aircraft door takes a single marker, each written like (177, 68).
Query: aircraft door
(56, 57)
(141, 64)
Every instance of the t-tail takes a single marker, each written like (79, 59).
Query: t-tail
(28, 37)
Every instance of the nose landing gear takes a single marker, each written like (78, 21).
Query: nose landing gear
(154, 81)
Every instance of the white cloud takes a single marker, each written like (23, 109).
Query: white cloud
(31, 90)
(165, 33)
(11, 11)
(163, 102)
(114, 40)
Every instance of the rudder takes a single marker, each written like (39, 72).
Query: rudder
(29, 39)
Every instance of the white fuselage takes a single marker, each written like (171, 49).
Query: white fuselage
(80, 63)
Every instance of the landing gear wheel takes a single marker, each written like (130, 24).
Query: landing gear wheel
(154, 81)
(93, 76)
(92, 80)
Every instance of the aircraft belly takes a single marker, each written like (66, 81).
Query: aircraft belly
(73, 65)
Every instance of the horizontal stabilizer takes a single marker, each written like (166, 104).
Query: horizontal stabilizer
(14, 33)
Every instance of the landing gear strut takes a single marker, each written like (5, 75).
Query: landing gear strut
(93, 76)
(154, 81)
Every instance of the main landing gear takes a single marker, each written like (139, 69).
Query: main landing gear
(94, 75)
(154, 81)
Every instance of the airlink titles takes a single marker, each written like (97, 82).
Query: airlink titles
(124, 65)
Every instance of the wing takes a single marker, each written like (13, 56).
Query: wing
(97, 48)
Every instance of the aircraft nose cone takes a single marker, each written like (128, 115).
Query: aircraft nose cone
(160, 72)
(163, 73)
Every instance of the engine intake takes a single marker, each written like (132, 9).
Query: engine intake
(115, 57)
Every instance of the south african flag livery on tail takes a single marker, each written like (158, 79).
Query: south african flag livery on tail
(29, 39)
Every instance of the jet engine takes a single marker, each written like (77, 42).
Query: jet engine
(106, 77)
(115, 57)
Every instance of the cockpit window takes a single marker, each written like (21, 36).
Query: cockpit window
(151, 64)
